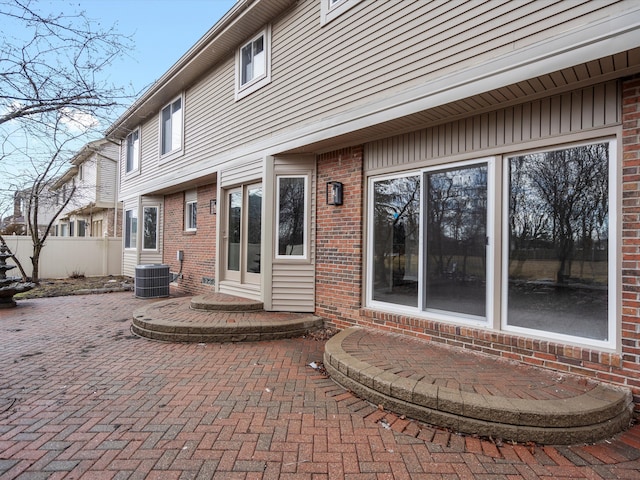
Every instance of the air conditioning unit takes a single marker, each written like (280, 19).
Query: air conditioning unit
(152, 281)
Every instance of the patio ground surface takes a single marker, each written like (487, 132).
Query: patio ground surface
(82, 397)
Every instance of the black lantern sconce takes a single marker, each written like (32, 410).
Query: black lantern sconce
(334, 193)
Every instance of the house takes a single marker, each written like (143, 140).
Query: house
(465, 172)
(90, 188)
(17, 223)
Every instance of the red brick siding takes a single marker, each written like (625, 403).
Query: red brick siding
(339, 273)
(199, 247)
(339, 238)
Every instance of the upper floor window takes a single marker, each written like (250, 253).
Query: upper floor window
(133, 151)
(171, 127)
(334, 8)
(254, 64)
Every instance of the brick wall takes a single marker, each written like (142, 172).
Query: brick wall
(339, 238)
(339, 274)
(199, 247)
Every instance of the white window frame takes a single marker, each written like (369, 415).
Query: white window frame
(332, 9)
(132, 164)
(129, 234)
(242, 90)
(613, 258)
(305, 246)
(497, 259)
(177, 134)
(191, 208)
(157, 209)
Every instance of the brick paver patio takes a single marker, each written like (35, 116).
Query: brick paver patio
(82, 398)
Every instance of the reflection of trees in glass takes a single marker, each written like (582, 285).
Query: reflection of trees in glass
(254, 229)
(233, 233)
(457, 219)
(254, 233)
(559, 203)
(150, 227)
(291, 216)
(396, 233)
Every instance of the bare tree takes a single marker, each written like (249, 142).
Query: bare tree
(54, 98)
(57, 64)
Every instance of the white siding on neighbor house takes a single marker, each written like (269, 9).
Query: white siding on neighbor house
(317, 75)
(572, 112)
(107, 182)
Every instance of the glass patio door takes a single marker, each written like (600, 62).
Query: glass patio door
(243, 234)
(456, 240)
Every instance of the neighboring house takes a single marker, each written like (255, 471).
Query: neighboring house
(91, 182)
(466, 172)
(16, 224)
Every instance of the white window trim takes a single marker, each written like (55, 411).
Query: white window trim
(187, 216)
(125, 231)
(305, 247)
(178, 150)
(331, 9)
(157, 209)
(614, 289)
(256, 83)
(497, 279)
(136, 160)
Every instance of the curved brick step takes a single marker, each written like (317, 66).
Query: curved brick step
(221, 302)
(590, 413)
(175, 321)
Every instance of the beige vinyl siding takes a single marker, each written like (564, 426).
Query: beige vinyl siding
(241, 290)
(242, 172)
(316, 74)
(572, 112)
(292, 283)
(293, 288)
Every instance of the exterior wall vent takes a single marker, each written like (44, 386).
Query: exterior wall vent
(152, 281)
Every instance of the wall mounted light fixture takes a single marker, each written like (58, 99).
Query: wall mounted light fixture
(334, 193)
(213, 205)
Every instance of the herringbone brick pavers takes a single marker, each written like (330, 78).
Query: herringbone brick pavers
(83, 398)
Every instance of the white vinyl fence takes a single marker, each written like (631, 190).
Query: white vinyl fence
(62, 257)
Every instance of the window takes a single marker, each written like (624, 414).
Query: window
(254, 64)
(331, 9)
(291, 217)
(130, 229)
(171, 127)
(133, 151)
(63, 229)
(71, 229)
(82, 228)
(150, 228)
(433, 251)
(191, 215)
